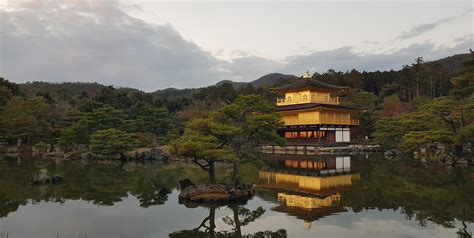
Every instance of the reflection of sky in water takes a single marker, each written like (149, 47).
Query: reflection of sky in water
(128, 219)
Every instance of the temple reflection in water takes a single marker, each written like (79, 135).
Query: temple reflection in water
(308, 187)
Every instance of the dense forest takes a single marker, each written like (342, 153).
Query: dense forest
(423, 103)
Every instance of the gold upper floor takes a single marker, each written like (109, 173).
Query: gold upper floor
(317, 117)
(292, 200)
(309, 183)
(307, 96)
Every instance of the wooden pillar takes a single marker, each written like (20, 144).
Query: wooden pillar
(298, 134)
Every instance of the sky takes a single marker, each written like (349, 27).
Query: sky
(156, 44)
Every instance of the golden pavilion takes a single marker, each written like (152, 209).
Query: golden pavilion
(309, 188)
(312, 114)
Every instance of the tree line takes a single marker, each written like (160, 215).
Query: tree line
(419, 104)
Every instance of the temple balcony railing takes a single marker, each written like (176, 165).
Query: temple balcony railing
(325, 99)
(339, 122)
(324, 122)
(355, 122)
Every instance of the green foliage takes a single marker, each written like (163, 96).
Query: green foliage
(466, 135)
(224, 93)
(146, 118)
(88, 105)
(359, 98)
(365, 100)
(196, 143)
(447, 119)
(392, 107)
(8, 90)
(112, 142)
(68, 114)
(26, 120)
(417, 103)
(146, 139)
(5, 95)
(73, 136)
(231, 133)
(42, 146)
(104, 118)
(200, 143)
(388, 132)
(419, 79)
(463, 82)
(249, 121)
(366, 126)
(417, 139)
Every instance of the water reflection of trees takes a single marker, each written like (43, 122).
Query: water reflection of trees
(423, 194)
(240, 217)
(101, 184)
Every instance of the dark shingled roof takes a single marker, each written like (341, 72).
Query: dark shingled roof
(314, 105)
(307, 82)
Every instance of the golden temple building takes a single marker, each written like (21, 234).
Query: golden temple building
(309, 188)
(316, 185)
(312, 114)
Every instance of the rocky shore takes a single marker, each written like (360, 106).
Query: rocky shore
(144, 153)
(431, 156)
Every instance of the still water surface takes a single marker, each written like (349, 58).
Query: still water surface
(296, 197)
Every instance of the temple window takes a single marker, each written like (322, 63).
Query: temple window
(303, 134)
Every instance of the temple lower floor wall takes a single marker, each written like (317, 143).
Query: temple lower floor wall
(321, 134)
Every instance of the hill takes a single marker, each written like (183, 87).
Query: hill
(266, 80)
(234, 84)
(452, 63)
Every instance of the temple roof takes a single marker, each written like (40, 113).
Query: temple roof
(315, 105)
(307, 82)
(311, 214)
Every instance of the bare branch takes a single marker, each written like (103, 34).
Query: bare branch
(204, 167)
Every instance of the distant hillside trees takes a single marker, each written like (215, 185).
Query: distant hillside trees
(29, 117)
(419, 79)
(448, 119)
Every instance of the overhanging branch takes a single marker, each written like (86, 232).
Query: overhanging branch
(204, 167)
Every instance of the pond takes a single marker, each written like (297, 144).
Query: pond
(343, 196)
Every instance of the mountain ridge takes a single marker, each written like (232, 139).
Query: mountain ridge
(452, 63)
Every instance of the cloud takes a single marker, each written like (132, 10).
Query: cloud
(423, 28)
(96, 41)
(346, 58)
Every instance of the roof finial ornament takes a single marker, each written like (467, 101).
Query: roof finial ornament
(306, 74)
